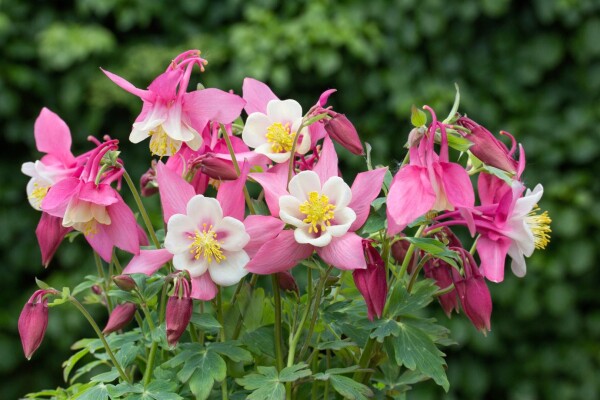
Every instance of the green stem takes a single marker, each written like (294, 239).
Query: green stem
(87, 316)
(443, 291)
(365, 357)
(105, 278)
(237, 169)
(222, 337)
(415, 273)
(303, 125)
(140, 205)
(474, 246)
(240, 321)
(409, 253)
(278, 326)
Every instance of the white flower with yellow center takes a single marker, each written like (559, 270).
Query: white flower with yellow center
(272, 134)
(204, 240)
(319, 212)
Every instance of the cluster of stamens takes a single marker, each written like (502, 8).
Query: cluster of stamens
(280, 137)
(318, 212)
(205, 244)
(539, 223)
(161, 144)
(38, 193)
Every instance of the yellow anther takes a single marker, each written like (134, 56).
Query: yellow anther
(205, 244)
(318, 212)
(38, 193)
(161, 144)
(280, 136)
(539, 223)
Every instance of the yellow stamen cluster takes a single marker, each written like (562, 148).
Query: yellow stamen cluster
(161, 144)
(205, 244)
(280, 137)
(539, 223)
(38, 193)
(318, 212)
(87, 228)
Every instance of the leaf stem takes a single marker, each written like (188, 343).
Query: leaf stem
(141, 208)
(278, 326)
(105, 278)
(222, 336)
(237, 169)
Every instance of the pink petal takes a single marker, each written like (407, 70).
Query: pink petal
(491, 188)
(203, 288)
(251, 157)
(174, 191)
(231, 195)
(142, 237)
(261, 229)
(101, 242)
(98, 194)
(214, 105)
(50, 234)
(410, 197)
(457, 185)
(148, 262)
(327, 166)
(274, 183)
(279, 254)
(123, 84)
(58, 197)
(52, 136)
(257, 96)
(123, 228)
(365, 189)
(345, 252)
(492, 254)
(165, 85)
(325, 96)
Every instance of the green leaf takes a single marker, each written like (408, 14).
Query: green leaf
(435, 248)
(201, 384)
(260, 341)
(414, 349)
(505, 176)
(336, 345)
(349, 388)
(90, 280)
(231, 350)
(98, 392)
(123, 389)
(106, 376)
(162, 390)
(295, 372)
(378, 203)
(127, 354)
(264, 385)
(374, 223)
(386, 328)
(458, 142)
(41, 284)
(69, 364)
(206, 322)
(323, 376)
(403, 303)
(417, 117)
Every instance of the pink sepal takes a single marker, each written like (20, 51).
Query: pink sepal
(203, 288)
(50, 234)
(231, 195)
(174, 191)
(148, 262)
(345, 252)
(327, 166)
(365, 189)
(279, 254)
(274, 183)
(261, 229)
(257, 96)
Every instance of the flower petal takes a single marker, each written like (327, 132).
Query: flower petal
(229, 271)
(255, 129)
(338, 191)
(457, 185)
(279, 254)
(492, 254)
(148, 262)
(186, 261)
(179, 230)
(213, 105)
(261, 228)
(203, 288)
(303, 236)
(204, 210)
(123, 228)
(327, 166)
(344, 252)
(50, 234)
(231, 233)
(304, 183)
(52, 136)
(284, 111)
(174, 191)
(231, 194)
(274, 183)
(289, 211)
(365, 189)
(257, 96)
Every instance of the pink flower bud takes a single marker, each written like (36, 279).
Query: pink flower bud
(475, 297)
(342, 131)
(120, 316)
(487, 148)
(96, 290)
(442, 273)
(217, 168)
(33, 322)
(148, 185)
(124, 282)
(179, 311)
(372, 282)
(287, 282)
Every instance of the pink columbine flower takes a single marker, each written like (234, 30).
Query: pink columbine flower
(429, 182)
(33, 321)
(372, 281)
(90, 205)
(323, 211)
(170, 115)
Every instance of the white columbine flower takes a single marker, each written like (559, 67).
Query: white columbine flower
(272, 134)
(204, 240)
(319, 213)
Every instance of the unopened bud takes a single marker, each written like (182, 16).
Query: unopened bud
(179, 311)
(217, 168)
(399, 251)
(148, 184)
(342, 131)
(120, 317)
(33, 322)
(442, 273)
(287, 282)
(415, 136)
(124, 282)
(474, 296)
(372, 282)
(97, 290)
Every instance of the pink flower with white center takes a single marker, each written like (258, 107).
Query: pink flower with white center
(203, 240)
(273, 133)
(324, 212)
(429, 182)
(170, 116)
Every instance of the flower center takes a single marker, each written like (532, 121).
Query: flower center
(539, 223)
(205, 244)
(161, 144)
(38, 193)
(318, 211)
(280, 136)
(87, 228)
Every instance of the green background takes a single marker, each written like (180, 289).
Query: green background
(529, 67)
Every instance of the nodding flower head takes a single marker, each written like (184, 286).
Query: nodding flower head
(34, 320)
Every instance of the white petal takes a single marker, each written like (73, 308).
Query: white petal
(196, 142)
(526, 203)
(186, 261)
(338, 191)
(174, 126)
(267, 150)
(342, 220)
(229, 271)
(304, 145)
(154, 118)
(77, 212)
(521, 235)
(204, 210)
(255, 129)
(518, 261)
(179, 230)
(231, 234)
(304, 183)
(303, 236)
(289, 211)
(284, 111)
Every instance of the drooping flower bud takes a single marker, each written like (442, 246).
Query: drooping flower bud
(179, 311)
(50, 232)
(474, 296)
(372, 282)
(287, 282)
(148, 184)
(442, 273)
(487, 148)
(124, 282)
(342, 131)
(33, 322)
(120, 317)
(96, 289)
(217, 168)
(399, 250)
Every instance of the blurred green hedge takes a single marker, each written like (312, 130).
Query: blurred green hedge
(531, 68)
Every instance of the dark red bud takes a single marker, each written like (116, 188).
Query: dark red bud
(97, 290)
(372, 282)
(217, 168)
(148, 184)
(442, 273)
(33, 322)
(179, 311)
(342, 131)
(124, 282)
(474, 295)
(287, 282)
(120, 317)
(399, 250)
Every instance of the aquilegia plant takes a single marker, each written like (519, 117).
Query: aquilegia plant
(273, 277)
